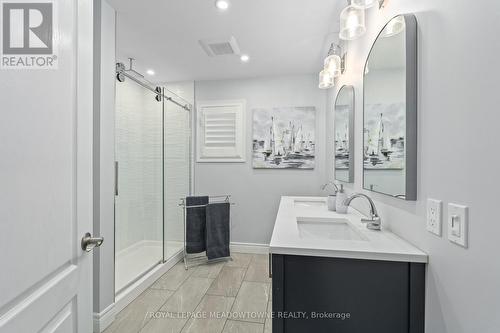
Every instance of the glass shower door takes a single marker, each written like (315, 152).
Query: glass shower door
(177, 172)
(139, 197)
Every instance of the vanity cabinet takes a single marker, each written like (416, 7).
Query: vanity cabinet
(337, 295)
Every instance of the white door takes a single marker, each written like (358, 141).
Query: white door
(46, 175)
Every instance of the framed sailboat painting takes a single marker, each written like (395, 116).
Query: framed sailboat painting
(284, 138)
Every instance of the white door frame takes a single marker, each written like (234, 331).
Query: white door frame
(84, 140)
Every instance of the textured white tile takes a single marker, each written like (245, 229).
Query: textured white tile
(138, 149)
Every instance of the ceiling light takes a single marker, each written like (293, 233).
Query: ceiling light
(150, 72)
(244, 58)
(222, 4)
(352, 23)
(325, 80)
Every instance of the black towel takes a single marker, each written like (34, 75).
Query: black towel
(196, 224)
(218, 230)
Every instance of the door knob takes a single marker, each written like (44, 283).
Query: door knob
(89, 242)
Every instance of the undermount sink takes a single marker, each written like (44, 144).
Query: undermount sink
(328, 228)
(309, 203)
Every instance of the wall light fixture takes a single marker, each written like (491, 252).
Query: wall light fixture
(352, 23)
(326, 81)
(367, 3)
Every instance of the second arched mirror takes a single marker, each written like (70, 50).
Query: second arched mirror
(344, 135)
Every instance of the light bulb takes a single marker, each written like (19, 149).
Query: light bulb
(352, 23)
(325, 80)
(333, 65)
(363, 3)
(394, 27)
(150, 72)
(245, 58)
(222, 4)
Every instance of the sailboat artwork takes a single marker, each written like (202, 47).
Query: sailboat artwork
(384, 136)
(284, 138)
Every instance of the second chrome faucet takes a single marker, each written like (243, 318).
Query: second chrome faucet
(372, 223)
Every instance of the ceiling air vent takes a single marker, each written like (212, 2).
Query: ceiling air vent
(219, 47)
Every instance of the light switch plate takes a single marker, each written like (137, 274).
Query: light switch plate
(458, 224)
(434, 216)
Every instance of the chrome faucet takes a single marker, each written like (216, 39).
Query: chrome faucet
(374, 222)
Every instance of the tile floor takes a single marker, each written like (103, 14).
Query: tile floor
(199, 299)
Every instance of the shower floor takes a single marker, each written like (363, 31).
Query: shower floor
(132, 262)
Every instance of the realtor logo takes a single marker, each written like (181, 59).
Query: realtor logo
(28, 35)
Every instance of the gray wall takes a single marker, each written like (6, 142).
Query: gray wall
(257, 192)
(458, 158)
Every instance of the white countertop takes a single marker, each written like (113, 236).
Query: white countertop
(375, 245)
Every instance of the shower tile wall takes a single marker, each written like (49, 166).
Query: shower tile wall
(138, 150)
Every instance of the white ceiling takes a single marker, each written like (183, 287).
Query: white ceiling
(282, 37)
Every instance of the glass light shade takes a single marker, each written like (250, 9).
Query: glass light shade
(333, 65)
(364, 3)
(394, 27)
(222, 4)
(325, 80)
(352, 23)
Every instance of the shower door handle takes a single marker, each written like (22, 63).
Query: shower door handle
(89, 242)
(116, 177)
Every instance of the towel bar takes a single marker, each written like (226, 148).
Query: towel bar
(196, 260)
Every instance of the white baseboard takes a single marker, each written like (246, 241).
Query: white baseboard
(254, 248)
(102, 320)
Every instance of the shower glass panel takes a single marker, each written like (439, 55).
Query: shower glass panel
(139, 197)
(176, 172)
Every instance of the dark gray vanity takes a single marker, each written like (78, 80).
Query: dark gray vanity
(332, 273)
(320, 294)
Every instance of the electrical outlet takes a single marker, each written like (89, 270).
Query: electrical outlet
(434, 219)
(458, 220)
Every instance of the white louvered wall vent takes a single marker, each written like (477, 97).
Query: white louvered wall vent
(221, 131)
